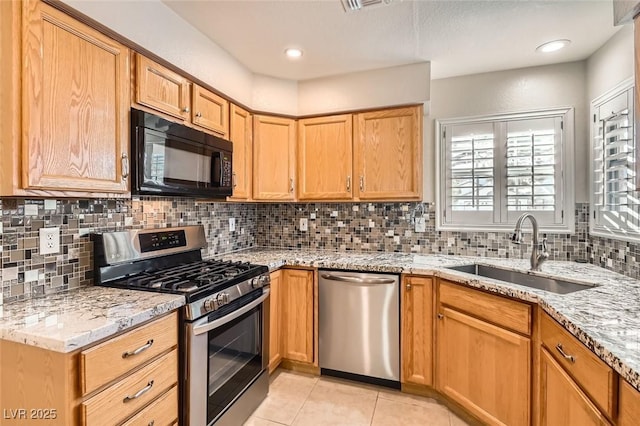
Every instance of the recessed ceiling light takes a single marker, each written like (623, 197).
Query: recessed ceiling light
(293, 53)
(552, 46)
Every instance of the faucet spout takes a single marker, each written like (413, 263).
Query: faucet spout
(537, 258)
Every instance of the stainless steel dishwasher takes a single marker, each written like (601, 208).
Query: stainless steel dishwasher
(359, 326)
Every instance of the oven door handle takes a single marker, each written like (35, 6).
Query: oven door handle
(208, 326)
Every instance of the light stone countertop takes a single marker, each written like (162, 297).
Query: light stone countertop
(605, 318)
(64, 322)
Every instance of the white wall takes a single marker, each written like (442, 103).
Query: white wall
(368, 89)
(274, 95)
(611, 64)
(511, 91)
(156, 27)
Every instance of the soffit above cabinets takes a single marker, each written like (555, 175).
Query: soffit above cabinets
(458, 37)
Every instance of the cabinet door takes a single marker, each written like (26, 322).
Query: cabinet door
(628, 405)
(210, 111)
(297, 314)
(561, 400)
(273, 158)
(388, 154)
(160, 88)
(75, 103)
(325, 147)
(417, 331)
(241, 128)
(484, 368)
(275, 327)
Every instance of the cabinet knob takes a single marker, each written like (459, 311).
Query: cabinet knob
(408, 286)
(185, 109)
(125, 166)
(440, 316)
(198, 114)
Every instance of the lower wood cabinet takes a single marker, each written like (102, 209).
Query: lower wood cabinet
(298, 315)
(275, 321)
(482, 366)
(562, 402)
(628, 405)
(90, 387)
(416, 324)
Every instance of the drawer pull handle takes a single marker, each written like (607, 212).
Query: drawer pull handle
(140, 349)
(560, 349)
(139, 393)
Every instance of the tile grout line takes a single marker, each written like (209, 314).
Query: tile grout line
(305, 401)
(374, 408)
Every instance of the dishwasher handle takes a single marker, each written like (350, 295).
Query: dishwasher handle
(356, 280)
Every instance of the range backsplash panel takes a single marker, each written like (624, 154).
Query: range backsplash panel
(25, 272)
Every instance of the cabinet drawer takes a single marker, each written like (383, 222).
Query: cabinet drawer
(590, 372)
(495, 309)
(161, 412)
(109, 360)
(119, 401)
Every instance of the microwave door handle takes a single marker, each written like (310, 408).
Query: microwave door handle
(216, 159)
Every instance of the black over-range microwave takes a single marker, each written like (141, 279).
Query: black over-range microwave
(173, 159)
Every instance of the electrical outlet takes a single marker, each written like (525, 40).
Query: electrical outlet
(304, 224)
(421, 224)
(49, 240)
(232, 224)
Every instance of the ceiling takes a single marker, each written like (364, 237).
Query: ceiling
(458, 37)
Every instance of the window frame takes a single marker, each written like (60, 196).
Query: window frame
(566, 204)
(597, 229)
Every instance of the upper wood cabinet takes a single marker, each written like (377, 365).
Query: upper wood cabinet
(388, 154)
(168, 92)
(325, 157)
(160, 88)
(241, 134)
(74, 139)
(274, 158)
(210, 111)
(298, 315)
(417, 330)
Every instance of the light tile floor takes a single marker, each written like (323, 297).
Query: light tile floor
(299, 399)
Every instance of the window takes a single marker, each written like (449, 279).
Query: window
(615, 209)
(494, 168)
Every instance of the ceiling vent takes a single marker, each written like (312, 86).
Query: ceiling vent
(355, 5)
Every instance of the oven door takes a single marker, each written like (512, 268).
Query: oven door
(170, 164)
(225, 357)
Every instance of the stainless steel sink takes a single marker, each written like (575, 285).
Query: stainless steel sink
(524, 279)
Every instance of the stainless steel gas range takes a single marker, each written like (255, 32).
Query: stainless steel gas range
(224, 335)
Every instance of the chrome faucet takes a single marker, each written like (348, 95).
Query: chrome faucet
(516, 238)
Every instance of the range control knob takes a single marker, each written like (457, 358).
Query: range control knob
(209, 305)
(255, 283)
(222, 299)
(264, 280)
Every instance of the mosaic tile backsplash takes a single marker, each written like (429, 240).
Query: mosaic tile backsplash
(25, 272)
(361, 227)
(389, 227)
